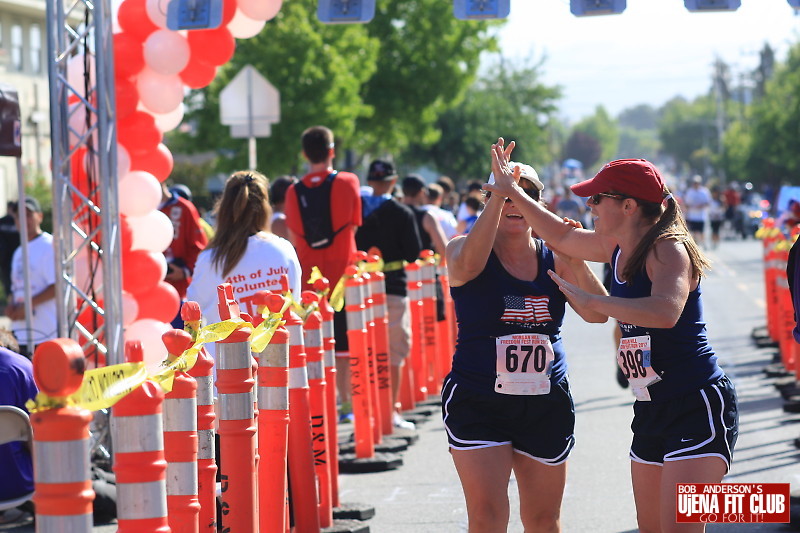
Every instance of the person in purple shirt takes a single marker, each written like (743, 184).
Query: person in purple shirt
(16, 388)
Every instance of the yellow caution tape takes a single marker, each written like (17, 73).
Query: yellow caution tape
(104, 387)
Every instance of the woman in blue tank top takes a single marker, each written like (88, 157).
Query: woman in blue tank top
(506, 403)
(685, 418)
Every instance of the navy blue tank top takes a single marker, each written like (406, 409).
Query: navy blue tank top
(495, 304)
(681, 355)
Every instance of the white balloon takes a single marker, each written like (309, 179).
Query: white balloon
(76, 70)
(149, 331)
(169, 121)
(260, 9)
(243, 27)
(166, 52)
(88, 273)
(151, 232)
(157, 12)
(130, 308)
(158, 93)
(123, 161)
(78, 127)
(139, 193)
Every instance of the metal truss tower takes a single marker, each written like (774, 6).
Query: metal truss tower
(86, 229)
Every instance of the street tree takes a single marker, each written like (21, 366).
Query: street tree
(509, 101)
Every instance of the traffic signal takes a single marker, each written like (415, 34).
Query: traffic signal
(345, 11)
(582, 8)
(712, 5)
(481, 9)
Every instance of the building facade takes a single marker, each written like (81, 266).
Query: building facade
(23, 65)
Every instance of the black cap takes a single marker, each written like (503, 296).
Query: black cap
(381, 171)
(413, 184)
(33, 204)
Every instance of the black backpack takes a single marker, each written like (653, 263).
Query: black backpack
(315, 212)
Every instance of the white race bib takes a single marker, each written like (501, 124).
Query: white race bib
(633, 357)
(524, 362)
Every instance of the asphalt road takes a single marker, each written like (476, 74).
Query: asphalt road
(424, 495)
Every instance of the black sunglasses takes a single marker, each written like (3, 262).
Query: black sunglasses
(595, 198)
(532, 192)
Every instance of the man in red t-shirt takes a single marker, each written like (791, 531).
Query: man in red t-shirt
(318, 149)
(188, 240)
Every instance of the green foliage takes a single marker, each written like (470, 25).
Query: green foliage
(638, 143)
(319, 71)
(427, 60)
(639, 117)
(688, 132)
(378, 86)
(775, 149)
(604, 130)
(41, 188)
(510, 102)
(584, 147)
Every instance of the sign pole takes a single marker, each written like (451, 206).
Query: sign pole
(251, 141)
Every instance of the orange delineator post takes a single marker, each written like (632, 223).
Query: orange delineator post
(329, 357)
(418, 351)
(447, 340)
(63, 489)
(202, 372)
(430, 333)
(771, 236)
(369, 317)
(237, 428)
(318, 405)
(381, 351)
(139, 462)
(302, 478)
(273, 422)
(180, 441)
(359, 365)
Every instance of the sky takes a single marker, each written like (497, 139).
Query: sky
(651, 52)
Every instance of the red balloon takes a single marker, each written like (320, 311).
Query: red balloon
(127, 97)
(138, 133)
(125, 233)
(157, 162)
(141, 271)
(133, 19)
(160, 303)
(198, 74)
(128, 55)
(228, 11)
(216, 47)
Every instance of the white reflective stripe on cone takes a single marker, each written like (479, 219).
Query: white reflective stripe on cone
(143, 433)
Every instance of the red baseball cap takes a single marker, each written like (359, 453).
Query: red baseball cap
(633, 177)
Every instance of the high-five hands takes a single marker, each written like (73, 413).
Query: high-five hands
(505, 176)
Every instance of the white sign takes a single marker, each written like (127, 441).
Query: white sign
(249, 98)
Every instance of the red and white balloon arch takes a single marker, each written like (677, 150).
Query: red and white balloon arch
(153, 68)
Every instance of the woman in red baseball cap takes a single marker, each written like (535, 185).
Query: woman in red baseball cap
(685, 416)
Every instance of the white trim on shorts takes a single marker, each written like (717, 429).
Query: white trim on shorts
(711, 438)
(667, 457)
(479, 444)
(635, 458)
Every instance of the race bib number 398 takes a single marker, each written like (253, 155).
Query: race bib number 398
(524, 361)
(633, 358)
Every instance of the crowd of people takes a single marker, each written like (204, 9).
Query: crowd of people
(514, 262)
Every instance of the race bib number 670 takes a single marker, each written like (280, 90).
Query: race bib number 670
(524, 362)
